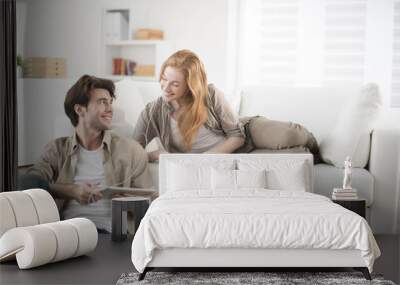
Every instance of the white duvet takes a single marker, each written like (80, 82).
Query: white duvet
(250, 219)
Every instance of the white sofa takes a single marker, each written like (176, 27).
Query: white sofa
(319, 110)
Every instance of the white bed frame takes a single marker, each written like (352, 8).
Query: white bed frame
(234, 257)
(250, 258)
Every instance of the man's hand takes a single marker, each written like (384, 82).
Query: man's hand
(86, 193)
(151, 196)
(123, 194)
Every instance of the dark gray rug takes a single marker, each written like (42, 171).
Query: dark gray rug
(229, 278)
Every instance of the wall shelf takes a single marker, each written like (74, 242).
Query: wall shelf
(142, 52)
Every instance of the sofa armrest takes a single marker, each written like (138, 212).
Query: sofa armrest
(384, 165)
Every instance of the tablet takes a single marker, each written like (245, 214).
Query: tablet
(109, 191)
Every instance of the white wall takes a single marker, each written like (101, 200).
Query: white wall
(191, 24)
(73, 29)
(44, 105)
(70, 29)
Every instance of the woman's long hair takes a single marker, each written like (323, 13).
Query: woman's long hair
(194, 106)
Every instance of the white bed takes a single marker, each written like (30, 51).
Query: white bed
(215, 211)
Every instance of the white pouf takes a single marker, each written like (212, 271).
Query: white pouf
(31, 230)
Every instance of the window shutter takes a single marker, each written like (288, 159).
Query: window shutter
(344, 49)
(320, 43)
(269, 53)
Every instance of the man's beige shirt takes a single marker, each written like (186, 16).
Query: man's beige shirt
(124, 161)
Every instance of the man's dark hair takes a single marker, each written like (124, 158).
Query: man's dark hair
(80, 94)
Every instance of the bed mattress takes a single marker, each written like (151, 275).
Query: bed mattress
(250, 219)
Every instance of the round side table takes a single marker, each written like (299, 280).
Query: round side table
(120, 208)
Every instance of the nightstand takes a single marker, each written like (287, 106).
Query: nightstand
(357, 205)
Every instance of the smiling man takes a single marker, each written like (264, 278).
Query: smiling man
(76, 168)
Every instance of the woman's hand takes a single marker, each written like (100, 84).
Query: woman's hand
(155, 155)
(228, 146)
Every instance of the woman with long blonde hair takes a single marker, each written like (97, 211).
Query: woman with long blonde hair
(183, 118)
(194, 116)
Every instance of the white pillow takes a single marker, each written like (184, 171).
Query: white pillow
(351, 135)
(223, 179)
(129, 99)
(251, 178)
(193, 174)
(183, 178)
(293, 178)
(227, 179)
(123, 129)
(234, 99)
(120, 125)
(292, 175)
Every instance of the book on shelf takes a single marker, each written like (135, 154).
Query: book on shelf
(121, 66)
(123, 72)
